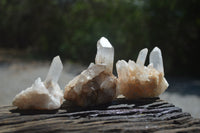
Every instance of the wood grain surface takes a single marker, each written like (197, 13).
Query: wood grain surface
(144, 115)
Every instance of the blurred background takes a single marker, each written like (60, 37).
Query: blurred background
(33, 32)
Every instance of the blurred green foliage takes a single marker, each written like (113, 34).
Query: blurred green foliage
(71, 29)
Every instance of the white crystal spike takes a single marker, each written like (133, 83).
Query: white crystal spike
(105, 54)
(142, 57)
(156, 59)
(54, 70)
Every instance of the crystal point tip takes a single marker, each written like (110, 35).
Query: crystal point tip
(142, 56)
(54, 70)
(156, 49)
(105, 54)
(104, 42)
(156, 59)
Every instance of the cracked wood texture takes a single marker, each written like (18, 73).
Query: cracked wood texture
(144, 115)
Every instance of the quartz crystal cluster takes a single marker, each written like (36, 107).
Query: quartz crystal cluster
(45, 95)
(135, 80)
(96, 84)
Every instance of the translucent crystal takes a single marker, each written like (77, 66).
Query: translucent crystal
(105, 54)
(43, 95)
(142, 57)
(96, 84)
(121, 71)
(156, 59)
(138, 81)
(54, 70)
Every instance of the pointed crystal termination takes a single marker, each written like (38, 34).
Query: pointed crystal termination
(54, 70)
(43, 95)
(156, 59)
(142, 57)
(105, 54)
(135, 80)
(95, 85)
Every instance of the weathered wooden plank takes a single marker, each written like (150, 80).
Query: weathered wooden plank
(144, 115)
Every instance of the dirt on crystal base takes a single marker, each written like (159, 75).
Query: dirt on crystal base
(144, 115)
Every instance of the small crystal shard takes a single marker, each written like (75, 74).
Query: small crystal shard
(96, 84)
(45, 95)
(138, 81)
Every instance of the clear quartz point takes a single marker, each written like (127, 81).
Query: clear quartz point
(45, 95)
(105, 54)
(142, 57)
(156, 59)
(95, 85)
(54, 70)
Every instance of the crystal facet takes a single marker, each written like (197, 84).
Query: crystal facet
(105, 53)
(138, 81)
(142, 57)
(156, 59)
(45, 95)
(96, 84)
(54, 70)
